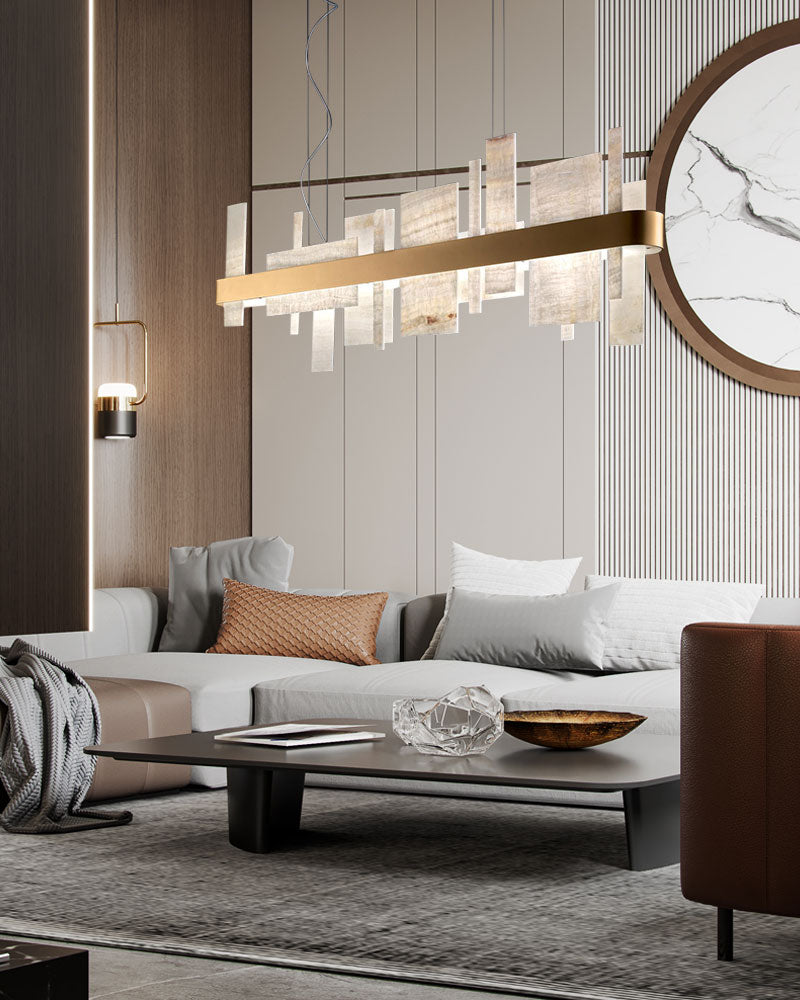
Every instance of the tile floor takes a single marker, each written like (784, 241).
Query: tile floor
(136, 975)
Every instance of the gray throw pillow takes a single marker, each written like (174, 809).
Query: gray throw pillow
(195, 585)
(563, 632)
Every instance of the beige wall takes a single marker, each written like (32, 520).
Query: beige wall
(486, 437)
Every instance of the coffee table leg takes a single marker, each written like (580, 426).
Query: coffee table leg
(652, 822)
(263, 807)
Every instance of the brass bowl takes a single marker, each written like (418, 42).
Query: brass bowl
(570, 730)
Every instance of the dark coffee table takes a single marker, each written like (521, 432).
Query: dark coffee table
(43, 970)
(265, 786)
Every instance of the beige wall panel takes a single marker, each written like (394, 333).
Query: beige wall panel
(279, 91)
(533, 76)
(499, 437)
(580, 446)
(298, 455)
(580, 78)
(380, 466)
(463, 80)
(380, 119)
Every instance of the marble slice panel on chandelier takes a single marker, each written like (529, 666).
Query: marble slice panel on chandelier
(322, 340)
(297, 242)
(321, 298)
(475, 275)
(429, 303)
(502, 280)
(371, 321)
(566, 290)
(614, 204)
(235, 259)
(626, 314)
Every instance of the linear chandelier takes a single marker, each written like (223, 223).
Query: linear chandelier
(438, 267)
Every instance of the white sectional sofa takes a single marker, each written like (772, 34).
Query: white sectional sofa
(234, 691)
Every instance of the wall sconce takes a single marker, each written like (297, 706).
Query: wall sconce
(116, 416)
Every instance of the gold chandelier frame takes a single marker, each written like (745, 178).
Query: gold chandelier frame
(639, 229)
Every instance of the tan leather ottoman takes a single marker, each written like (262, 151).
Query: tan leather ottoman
(133, 710)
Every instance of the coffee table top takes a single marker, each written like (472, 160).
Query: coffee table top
(634, 761)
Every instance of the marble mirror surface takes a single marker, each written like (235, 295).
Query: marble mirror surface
(733, 211)
(726, 174)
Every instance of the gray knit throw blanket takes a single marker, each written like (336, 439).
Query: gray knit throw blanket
(51, 715)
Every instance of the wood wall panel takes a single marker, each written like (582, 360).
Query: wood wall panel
(185, 127)
(44, 443)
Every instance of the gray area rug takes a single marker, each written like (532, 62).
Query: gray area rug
(534, 899)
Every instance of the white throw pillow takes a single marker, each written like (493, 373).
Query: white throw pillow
(477, 571)
(648, 617)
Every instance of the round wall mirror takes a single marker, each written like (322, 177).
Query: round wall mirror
(725, 172)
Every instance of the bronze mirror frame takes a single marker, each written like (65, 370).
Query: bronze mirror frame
(676, 305)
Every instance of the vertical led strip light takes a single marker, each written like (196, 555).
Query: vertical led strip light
(438, 268)
(90, 297)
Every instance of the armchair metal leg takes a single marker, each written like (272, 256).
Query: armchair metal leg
(724, 934)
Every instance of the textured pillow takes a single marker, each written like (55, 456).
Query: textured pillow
(270, 623)
(485, 574)
(648, 617)
(566, 632)
(195, 585)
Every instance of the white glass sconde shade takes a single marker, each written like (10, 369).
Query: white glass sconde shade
(123, 392)
(502, 280)
(116, 418)
(626, 313)
(429, 304)
(566, 290)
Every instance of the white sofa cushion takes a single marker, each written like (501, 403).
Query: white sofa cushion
(655, 694)
(648, 617)
(369, 692)
(220, 686)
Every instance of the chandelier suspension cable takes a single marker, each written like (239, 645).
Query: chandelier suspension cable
(305, 173)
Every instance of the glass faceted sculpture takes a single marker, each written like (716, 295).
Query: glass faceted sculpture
(465, 721)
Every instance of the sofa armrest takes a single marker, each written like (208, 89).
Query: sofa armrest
(125, 620)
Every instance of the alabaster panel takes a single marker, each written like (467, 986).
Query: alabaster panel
(502, 280)
(235, 259)
(429, 304)
(323, 298)
(614, 204)
(626, 314)
(322, 341)
(566, 290)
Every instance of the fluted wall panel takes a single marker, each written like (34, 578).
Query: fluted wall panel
(698, 474)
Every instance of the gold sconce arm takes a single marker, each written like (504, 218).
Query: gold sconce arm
(130, 322)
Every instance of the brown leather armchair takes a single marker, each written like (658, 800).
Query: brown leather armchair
(740, 771)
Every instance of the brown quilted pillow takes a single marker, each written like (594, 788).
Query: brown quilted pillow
(274, 623)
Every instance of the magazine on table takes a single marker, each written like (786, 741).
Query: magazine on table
(299, 734)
